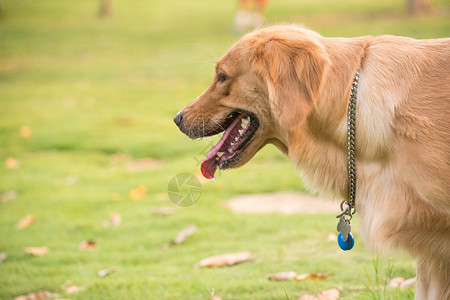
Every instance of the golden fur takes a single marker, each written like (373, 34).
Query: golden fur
(297, 84)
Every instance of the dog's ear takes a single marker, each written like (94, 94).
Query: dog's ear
(294, 71)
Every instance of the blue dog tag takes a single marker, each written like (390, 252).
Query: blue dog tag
(348, 244)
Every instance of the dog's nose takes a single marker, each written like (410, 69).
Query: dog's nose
(178, 118)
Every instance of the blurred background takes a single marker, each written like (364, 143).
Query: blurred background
(88, 91)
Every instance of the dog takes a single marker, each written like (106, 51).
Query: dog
(289, 86)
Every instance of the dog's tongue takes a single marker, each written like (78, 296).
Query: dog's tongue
(224, 149)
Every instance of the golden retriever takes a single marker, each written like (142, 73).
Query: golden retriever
(289, 86)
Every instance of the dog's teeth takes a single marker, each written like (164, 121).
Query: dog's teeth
(241, 131)
(244, 122)
(219, 154)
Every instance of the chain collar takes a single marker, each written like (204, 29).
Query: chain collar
(348, 206)
(351, 129)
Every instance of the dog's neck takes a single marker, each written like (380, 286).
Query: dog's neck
(320, 147)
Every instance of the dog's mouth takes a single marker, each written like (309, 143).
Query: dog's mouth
(240, 129)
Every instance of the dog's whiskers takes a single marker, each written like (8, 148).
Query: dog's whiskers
(192, 123)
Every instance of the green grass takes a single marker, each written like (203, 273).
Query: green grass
(90, 88)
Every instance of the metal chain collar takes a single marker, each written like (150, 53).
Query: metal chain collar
(348, 207)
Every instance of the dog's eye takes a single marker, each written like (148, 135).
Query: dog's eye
(221, 77)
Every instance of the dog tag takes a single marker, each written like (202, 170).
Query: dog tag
(348, 243)
(344, 227)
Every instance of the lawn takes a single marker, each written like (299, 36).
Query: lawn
(86, 118)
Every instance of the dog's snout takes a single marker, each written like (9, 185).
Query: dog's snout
(178, 118)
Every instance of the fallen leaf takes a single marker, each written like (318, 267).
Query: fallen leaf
(37, 251)
(226, 259)
(312, 276)
(307, 297)
(215, 298)
(408, 283)
(281, 276)
(138, 192)
(115, 218)
(8, 196)
(396, 282)
(12, 163)
(332, 294)
(74, 288)
(87, 245)
(163, 211)
(37, 295)
(26, 222)
(25, 132)
(141, 165)
(302, 277)
(181, 236)
(103, 273)
(3, 256)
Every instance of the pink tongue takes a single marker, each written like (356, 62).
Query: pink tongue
(209, 164)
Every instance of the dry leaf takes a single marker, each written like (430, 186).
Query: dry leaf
(226, 259)
(138, 192)
(3, 256)
(87, 245)
(215, 298)
(37, 251)
(8, 196)
(142, 164)
(307, 297)
(163, 211)
(332, 294)
(181, 236)
(408, 283)
(312, 276)
(281, 276)
(103, 273)
(74, 288)
(12, 163)
(25, 132)
(396, 282)
(26, 222)
(37, 295)
(115, 218)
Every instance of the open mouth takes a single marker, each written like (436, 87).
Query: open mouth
(233, 142)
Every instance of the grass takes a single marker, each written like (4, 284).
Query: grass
(90, 88)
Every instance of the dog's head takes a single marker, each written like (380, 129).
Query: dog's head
(264, 87)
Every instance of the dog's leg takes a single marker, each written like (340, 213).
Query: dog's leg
(433, 279)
